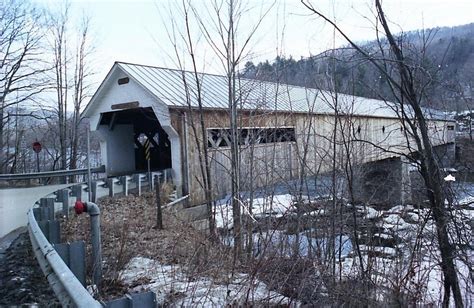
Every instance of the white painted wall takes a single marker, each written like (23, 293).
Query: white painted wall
(165, 121)
(116, 155)
(112, 93)
(117, 149)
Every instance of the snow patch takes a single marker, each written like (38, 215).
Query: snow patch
(368, 212)
(170, 283)
(468, 200)
(400, 209)
(271, 206)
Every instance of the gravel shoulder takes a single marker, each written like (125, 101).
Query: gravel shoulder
(21, 280)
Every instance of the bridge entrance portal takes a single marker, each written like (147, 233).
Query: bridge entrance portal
(126, 134)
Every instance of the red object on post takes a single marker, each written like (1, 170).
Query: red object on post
(80, 207)
(37, 147)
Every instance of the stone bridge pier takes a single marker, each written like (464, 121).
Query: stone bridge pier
(395, 180)
(383, 182)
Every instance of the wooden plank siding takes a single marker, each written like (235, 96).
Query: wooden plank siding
(266, 164)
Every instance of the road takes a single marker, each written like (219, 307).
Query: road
(15, 203)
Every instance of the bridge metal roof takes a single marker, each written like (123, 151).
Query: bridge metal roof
(168, 86)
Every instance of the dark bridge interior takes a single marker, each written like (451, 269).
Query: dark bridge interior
(145, 126)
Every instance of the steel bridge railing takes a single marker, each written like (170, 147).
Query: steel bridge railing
(49, 174)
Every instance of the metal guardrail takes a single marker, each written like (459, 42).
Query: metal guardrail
(49, 174)
(64, 283)
(68, 289)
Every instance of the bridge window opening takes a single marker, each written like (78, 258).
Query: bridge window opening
(143, 125)
(221, 137)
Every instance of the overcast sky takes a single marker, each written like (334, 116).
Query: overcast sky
(135, 31)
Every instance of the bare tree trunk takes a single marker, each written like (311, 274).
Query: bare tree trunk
(21, 61)
(429, 166)
(81, 73)
(61, 74)
(430, 172)
(201, 141)
(234, 148)
(2, 148)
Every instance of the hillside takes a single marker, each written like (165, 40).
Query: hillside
(446, 53)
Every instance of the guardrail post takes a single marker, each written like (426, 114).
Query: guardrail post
(110, 183)
(77, 191)
(94, 185)
(136, 179)
(51, 230)
(74, 255)
(124, 181)
(64, 193)
(47, 208)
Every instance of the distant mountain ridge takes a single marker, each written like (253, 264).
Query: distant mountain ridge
(448, 56)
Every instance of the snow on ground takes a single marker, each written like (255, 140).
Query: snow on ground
(400, 209)
(392, 265)
(173, 286)
(467, 200)
(464, 192)
(318, 212)
(368, 212)
(383, 235)
(414, 217)
(281, 244)
(394, 222)
(384, 250)
(425, 280)
(274, 206)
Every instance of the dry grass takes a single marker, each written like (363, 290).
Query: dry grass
(128, 226)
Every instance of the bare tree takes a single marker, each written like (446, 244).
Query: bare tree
(200, 139)
(218, 25)
(22, 66)
(61, 61)
(81, 85)
(72, 72)
(221, 36)
(408, 89)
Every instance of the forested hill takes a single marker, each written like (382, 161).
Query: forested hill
(448, 57)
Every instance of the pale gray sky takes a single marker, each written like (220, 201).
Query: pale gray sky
(134, 31)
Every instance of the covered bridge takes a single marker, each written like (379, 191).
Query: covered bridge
(284, 131)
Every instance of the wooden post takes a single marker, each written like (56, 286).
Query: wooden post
(159, 218)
